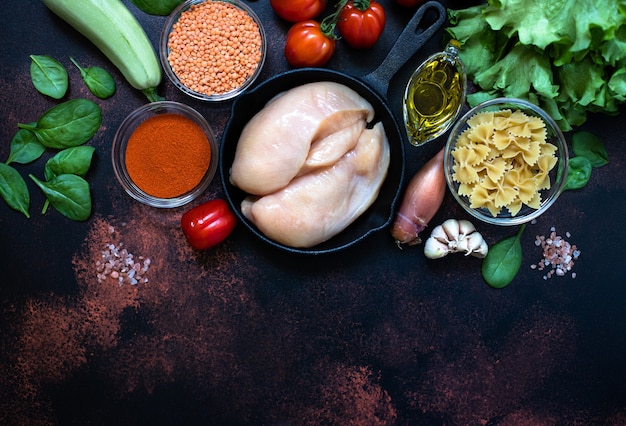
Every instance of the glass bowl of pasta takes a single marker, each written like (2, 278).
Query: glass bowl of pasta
(506, 161)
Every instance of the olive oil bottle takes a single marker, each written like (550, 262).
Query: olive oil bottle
(434, 95)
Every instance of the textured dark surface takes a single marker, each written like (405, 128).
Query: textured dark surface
(246, 334)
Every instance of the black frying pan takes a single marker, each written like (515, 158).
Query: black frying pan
(373, 87)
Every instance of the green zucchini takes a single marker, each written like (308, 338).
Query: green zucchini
(116, 32)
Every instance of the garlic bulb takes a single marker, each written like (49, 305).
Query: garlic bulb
(455, 236)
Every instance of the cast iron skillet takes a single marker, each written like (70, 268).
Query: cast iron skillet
(381, 212)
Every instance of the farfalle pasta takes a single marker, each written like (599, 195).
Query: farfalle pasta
(503, 160)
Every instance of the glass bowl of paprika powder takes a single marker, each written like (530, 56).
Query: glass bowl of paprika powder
(164, 154)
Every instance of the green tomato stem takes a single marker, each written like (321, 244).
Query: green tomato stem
(362, 5)
(329, 23)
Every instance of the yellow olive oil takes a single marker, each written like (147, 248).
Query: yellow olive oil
(434, 95)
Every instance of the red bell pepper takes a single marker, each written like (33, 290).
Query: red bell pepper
(208, 224)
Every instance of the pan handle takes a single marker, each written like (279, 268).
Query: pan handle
(408, 43)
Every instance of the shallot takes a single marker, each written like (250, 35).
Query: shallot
(421, 201)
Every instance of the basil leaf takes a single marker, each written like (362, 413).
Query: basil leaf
(157, 7)
(48, 76)
(14, 190)
(98, 80)
(503, 261)
(75, 160)
(585, 144)
(25, 147)
(69, 194)
(578, 173)
(70, 123)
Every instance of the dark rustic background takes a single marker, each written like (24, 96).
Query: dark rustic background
(244, 334)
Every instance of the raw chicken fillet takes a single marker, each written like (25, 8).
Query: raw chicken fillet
(311, 163)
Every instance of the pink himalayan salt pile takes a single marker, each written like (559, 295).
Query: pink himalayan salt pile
(558, 255)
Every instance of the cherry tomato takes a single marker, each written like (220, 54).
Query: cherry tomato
(208, 224)
(307, 45)
(361, 23)
(298, 10)
(409, 3)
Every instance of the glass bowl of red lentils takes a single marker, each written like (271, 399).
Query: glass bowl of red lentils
(506, 161)
(164, 154)
(213, 50)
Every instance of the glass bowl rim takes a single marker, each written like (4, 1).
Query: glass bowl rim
(556, 187)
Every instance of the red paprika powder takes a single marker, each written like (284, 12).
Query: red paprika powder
(167, 155)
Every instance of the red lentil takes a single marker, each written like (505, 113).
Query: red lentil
(558, 254)
(214, 47)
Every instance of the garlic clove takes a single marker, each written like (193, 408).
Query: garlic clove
(472, 242)
(463, 246)
(482, 250)
(435, 249)
(439, 234)
(476, 245)
(465, 228)
(451, 228)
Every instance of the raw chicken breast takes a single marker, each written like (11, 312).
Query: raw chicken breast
(327, 151)
(316, 206)
(274, 145)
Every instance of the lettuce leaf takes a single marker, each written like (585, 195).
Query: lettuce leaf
(522, 69)
(535, 22)
(568, 56)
